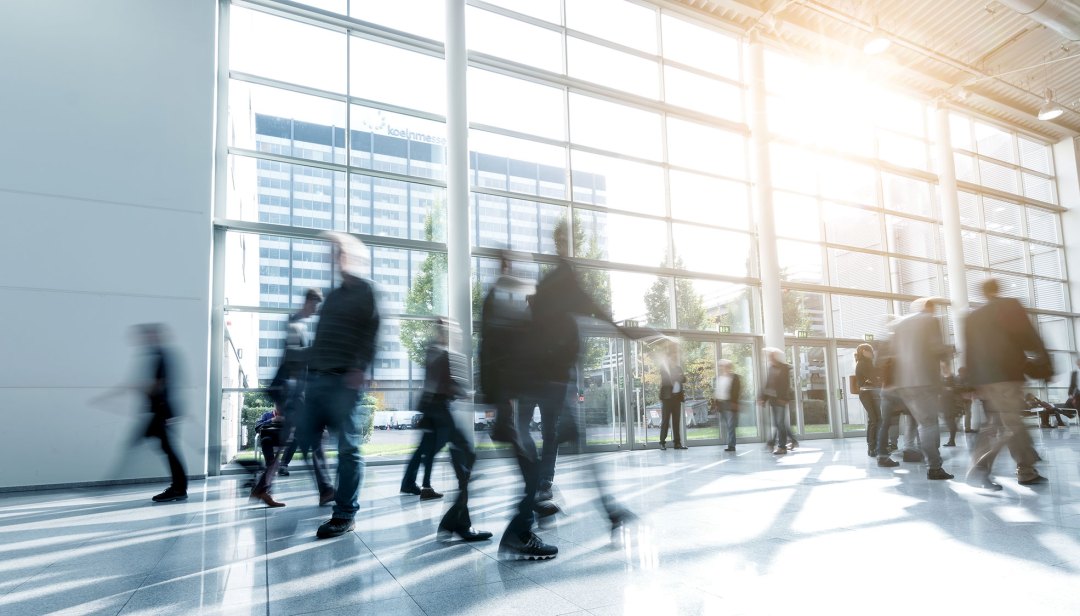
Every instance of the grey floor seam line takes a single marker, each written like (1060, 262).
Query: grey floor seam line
(152, 569)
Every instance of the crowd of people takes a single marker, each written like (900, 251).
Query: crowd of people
(528, 353)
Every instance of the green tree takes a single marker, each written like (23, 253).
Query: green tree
(427, 295)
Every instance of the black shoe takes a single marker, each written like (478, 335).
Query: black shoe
(887, 462)
(266, 498)
(913, 456)
(681, 447)
(938, 474)
(413, 489)
(663, 447)
(951, 443)
(620, 521)
(871, 451)
(429, 494)
(528, 547)
(466, 534)
(780, 451)
(335, 527)
(283, 471)
(170, 495)
(729, 449)
(1037, 479)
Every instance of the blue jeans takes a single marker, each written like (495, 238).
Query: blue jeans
(330, 404)
(780, 423)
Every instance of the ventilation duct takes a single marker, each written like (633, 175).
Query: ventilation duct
(1061, 16)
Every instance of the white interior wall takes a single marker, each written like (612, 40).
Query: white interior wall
(105, 194)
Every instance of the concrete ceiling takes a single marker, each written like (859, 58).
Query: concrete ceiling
(975, 54)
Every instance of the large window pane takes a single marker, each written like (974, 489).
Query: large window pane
(515, 104)
(906, 195)
(1054, 331)
(1034, 155)
(800, 261)
(271, 271)
(1043, 225)
(1000, 177)
(847, 181)
(517, 165)
(614, 69)
(422, 17)
(911, 237)
(702, 94)
(916, 278)
(970, 214)
(803, 312)
(960, 132)
(397, 143)
(376, 74)
(700, 47)
(704, 148)
(514, 40)
(796, 216)
(709, 200)
(617, 183)
(285, 194)
(548, 10)
(515, 224)
(711, 250)
(965, 168)
(1047, 261)
(615, 237)
(392, 208)
(622, 22)
(603, 125)
(972, 243)
(1038, 187)
(640, 297)
(854, 317)
(856, 270)
(852, 226)
(1051, 295)
(707, 304)
(993, 142)
(1002, 216)
(286, 123)
(901, 150)
(279, 48)
(1005, 254)
(900, 113)
(794, 169)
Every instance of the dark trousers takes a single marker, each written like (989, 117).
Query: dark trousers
(551, 398)
(331, 404)
(430, 444)
(871, 403)
(671, 414)
(269, 440)
(159, 428)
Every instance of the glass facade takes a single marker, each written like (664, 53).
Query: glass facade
(609, 115)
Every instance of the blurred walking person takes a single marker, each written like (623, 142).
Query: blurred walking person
(726, 395)
(338, 364)
(917, 350)
(775, 394)
(998, 336)
(554, 345)
(869, 383)
(672, 395)
(293, 382)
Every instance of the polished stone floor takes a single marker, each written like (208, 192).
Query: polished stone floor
(819, 531)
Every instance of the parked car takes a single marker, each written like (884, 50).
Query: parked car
(384, 420)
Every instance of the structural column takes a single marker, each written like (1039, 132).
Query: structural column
(458, 245)
(950, 225)
(771, 302)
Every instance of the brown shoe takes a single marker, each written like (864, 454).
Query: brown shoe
(327, 496)
(266, 498)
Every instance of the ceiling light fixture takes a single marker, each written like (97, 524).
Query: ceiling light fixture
(1049, 109)
(878, 42)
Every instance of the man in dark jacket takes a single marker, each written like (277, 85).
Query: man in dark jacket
(726, 395)
(338, 364)
(998, 338)
(672, 395)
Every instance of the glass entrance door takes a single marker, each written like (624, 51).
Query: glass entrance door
(810, 410)
(852, 414)
(601, 393)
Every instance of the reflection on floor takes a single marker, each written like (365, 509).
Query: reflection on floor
(821, 530)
